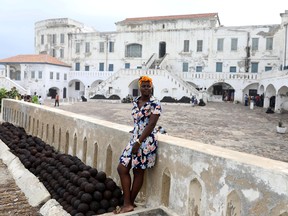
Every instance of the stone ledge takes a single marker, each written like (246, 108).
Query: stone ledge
(34, 190)
(52, 208)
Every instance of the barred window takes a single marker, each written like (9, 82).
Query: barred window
(199, 45)
(186, 46)
(101, 47)
(133, 50)
(220, 44)
(255, 44)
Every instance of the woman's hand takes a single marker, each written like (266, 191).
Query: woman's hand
(135, 148)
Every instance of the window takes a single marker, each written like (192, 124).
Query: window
(65, 76)
(254, 67)
(77, 86)
(127, 65)
(32, 74)
(234, 44)
(18, 75)
(199, 68)
(42, 39)
(110, 67)
(53, 52)
(54, 38)
(186, 46)
(62, 38)
(57, 76)
(77, 66)
(111, 46)
(233, 69)
(185, 67)
(51, 75)
(39, 74)
(219, 66)
(101, 66)
(87, 47)
(133, 50)
(269, 43)
(87, 68)
(101, 47)
(255, 44)
(199, 45)
(220, 44)
(61, 53)
(77, 47)
(268, 68)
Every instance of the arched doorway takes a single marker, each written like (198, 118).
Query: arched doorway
(162, 49)
(52, 92)
(221, 92)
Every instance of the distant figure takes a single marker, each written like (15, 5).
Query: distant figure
(40, 100)
(161, 130)
(192, 99)
(246, 99)
(57, 100)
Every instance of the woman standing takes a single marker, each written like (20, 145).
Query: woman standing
(140, 153)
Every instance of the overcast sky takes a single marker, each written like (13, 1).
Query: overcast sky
(17, 17)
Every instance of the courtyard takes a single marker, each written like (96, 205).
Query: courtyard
(227, 125)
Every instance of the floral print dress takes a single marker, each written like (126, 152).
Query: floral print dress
(146, 156)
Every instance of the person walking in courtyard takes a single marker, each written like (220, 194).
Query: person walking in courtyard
(57, 100)
(246, 99)
(140, 153)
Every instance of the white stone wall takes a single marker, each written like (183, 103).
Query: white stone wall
(189, 177)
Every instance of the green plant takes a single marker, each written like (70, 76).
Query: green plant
(12, 93)
(3, 94)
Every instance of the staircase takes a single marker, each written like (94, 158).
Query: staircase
(7, 83)
(172, 81)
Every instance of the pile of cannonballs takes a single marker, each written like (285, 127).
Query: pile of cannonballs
(80, 189)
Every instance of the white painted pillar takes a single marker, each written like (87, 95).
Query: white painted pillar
(277, 103)
(266, 102)
(7, 74)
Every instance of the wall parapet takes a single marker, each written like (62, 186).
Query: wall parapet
(190, 178)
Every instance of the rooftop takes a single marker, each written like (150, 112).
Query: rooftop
(34, 59)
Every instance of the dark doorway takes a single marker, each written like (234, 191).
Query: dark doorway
(162, 49)
(272, 101)
(64, 92)
(135, 92)
(52, 92)
(217, 90)
(252, 92)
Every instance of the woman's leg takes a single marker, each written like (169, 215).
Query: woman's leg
(126, 185)
(137, 183)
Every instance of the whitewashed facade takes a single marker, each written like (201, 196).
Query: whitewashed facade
(185, 55)
(40, 74)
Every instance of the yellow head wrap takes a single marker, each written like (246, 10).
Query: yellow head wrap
(144, 79)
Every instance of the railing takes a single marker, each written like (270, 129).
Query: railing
(93, 74)
(139, 72)
(218, 76)
(273, 74)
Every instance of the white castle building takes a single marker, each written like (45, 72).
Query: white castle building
(184, 54)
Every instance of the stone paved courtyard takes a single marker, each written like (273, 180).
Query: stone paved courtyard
(228, 125)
